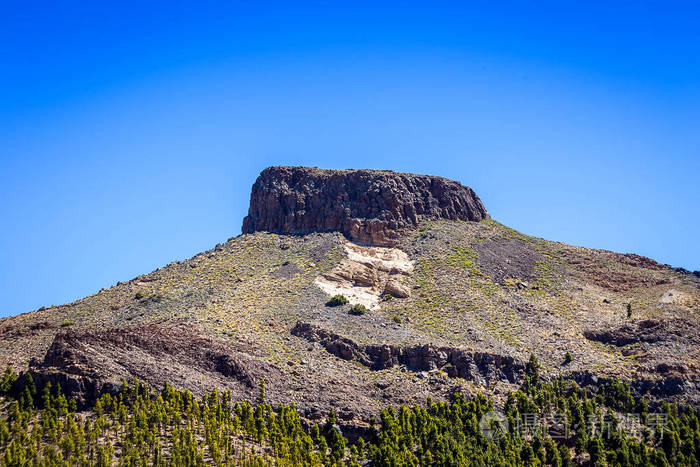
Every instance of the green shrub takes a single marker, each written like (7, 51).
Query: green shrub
(396, 319)
(145, 298)
(358, 309)
(337, 300)
(567, 358)
(65, 324)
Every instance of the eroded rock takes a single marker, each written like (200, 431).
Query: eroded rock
(88, 363)
(482, 367)
(367, 273)
(646, 331)
(367, 206)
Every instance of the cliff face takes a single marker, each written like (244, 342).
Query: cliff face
(367, 206)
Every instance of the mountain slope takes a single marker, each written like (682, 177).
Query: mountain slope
(454, 305)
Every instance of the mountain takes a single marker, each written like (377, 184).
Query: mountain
(451, 302)
(449, 292)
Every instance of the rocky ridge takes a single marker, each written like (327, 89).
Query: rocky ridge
(483, 367)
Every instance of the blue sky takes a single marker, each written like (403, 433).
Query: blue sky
(130, 134)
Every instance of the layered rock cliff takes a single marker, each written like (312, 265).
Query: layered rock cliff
(367, 206)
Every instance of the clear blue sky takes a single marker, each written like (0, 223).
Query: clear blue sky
(130, 134)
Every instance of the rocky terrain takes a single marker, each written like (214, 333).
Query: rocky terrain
(455, 302)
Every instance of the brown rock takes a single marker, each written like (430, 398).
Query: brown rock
(367, 206)
(396, 286)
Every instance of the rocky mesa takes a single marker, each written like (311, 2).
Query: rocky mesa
(367, 206)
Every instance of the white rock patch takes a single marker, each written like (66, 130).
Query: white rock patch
(368, 272)
(672, 296)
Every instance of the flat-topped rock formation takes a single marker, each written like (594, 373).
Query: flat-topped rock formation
(367, 206)
(456, 308)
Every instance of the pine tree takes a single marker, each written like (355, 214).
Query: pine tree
(261, 394)
(7, 381)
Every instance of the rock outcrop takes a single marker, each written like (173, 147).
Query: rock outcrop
(483, 367)
(367, 274)
(86, 364)
(367, 206)
(647, 331)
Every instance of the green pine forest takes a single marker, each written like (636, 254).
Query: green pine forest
(139, 426)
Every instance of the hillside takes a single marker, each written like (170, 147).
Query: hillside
(455, 303)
